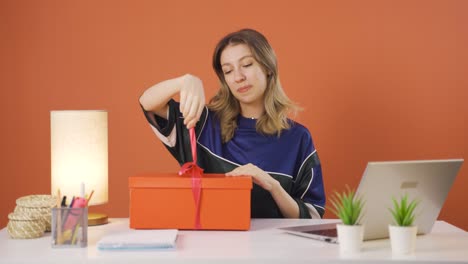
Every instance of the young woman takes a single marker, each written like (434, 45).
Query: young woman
(244, 130)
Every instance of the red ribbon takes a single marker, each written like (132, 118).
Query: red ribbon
(192, 167)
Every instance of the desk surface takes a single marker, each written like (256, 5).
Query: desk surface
(264, 243)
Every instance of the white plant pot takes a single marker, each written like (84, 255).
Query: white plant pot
(350, 238)
(403, 239)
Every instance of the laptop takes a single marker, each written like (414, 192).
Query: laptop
(428, 181)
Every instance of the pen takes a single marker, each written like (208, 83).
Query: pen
(67, 211)
(64, 201)
(82, 189)
(72, 201)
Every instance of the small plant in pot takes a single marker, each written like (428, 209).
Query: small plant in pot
(348, 207)
(403, 232)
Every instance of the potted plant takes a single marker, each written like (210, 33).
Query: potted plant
(348, 207)
(403, 232)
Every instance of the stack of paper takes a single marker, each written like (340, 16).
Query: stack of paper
(139, 239)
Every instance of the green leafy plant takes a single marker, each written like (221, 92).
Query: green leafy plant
(403, 211)
(347, 206)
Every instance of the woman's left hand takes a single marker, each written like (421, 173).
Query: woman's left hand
(287, 205)
(259, 176)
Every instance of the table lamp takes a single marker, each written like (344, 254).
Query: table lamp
(79, 160)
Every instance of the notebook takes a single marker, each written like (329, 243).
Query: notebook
(428, 181)
(139, 239)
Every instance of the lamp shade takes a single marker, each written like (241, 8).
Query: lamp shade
(79, 153)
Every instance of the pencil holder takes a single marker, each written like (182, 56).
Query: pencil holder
(69, 227)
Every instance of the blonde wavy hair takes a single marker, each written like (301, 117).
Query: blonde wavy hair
(277, 105)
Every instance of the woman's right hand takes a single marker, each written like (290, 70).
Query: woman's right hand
(192, 99)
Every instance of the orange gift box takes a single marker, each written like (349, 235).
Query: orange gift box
(166, 201)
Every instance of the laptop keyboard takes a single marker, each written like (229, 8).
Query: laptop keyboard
(324, 232)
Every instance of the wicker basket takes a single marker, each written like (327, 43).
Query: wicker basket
(37, 205)
(25, 225)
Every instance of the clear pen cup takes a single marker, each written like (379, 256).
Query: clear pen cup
(69, 227)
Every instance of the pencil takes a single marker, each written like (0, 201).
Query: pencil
(58, 198)
(89, 198)
(58, 224)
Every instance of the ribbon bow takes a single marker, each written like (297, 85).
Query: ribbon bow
(192, 168)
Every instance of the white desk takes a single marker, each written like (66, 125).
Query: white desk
(262, 244)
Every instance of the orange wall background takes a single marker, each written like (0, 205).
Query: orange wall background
(378, 80)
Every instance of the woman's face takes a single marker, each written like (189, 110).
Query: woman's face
(245, 77)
